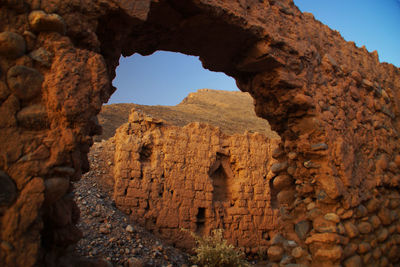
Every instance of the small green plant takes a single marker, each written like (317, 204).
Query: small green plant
(214, 251)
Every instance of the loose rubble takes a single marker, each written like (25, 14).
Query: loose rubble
(110, 234)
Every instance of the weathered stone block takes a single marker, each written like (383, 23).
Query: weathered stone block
(25, 82)
(42, 22)
(12, 45)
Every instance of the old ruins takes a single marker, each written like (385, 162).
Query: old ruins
(334, 105)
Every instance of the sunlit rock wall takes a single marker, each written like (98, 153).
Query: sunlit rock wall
(195, 177)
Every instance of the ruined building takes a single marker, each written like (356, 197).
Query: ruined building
(197, 178)
(334, 105)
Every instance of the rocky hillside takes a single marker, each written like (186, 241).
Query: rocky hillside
(233, 112)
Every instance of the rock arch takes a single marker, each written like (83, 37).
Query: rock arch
(334, 105)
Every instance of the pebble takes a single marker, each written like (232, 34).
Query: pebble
(332, 217)
(12, 45)
(351, 230)
(42, 22)
(129, 229)
(354, 261)
(279, 167)
(297, 252)
(275, 253)
(365, 228)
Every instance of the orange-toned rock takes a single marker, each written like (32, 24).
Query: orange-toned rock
(275, 253)
(311, 85)
(331, 254)
(195, 174)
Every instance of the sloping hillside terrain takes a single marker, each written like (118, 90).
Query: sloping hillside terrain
(232, 112)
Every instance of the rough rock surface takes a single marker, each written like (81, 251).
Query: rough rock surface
(311, 85)
(197, 178)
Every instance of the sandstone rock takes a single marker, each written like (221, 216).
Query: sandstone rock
(279, 167)
(104, 229)
(332, 186)
(382, 235)
(332, 254)
(350, 250)
(25, 82)
(129, 229)
(372, 205)
(384, 215)
(356, 76)
(292, 155)
(78, 82)
(277, 152)
(275, 253)
(286, 196)
(375, 221)
(282, 181)
(376, 253)
(309, 164)
(324, 226)
(351, 230)
(363, 248)
(326, 238)
(394, 253)
(346, 215)
(340, 229)
(354, 261)
(8, 191)
(367, 84)
(42, 56)
(333, 217)
(56, 188)
(365, 227)
(297, 252)
(361, 211)
(42, 22)
(311, 206)
(278, 239)
(319, 146)
(12, 45)
(33, 117)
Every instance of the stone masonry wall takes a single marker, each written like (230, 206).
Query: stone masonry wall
(196, 178)
(334, 105)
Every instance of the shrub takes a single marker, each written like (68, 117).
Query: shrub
(214, 251)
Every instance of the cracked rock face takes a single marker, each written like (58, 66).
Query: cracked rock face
(335, 107)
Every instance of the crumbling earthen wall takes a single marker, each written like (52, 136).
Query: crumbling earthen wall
(195, 177)
(334, 105)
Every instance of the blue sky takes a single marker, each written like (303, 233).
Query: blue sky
(165, 78)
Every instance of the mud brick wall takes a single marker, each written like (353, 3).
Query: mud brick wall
(196, 178)
(335, 106)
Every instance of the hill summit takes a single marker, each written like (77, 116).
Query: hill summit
(231, 111)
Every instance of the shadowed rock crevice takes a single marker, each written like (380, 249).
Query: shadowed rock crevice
(222, 179)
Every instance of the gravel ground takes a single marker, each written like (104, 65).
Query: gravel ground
(107, 232)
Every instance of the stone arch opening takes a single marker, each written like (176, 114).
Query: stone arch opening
(324, 96)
